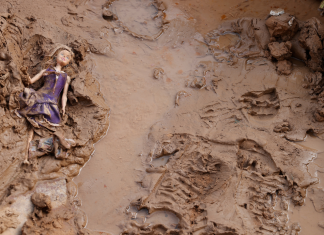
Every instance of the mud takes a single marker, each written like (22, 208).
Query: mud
(25, 43)
(211, 145)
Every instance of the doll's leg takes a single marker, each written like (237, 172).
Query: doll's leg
(59, 134)
(30, 138)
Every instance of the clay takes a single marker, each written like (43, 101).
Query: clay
(282, 127)
(315, 195)
(8, 219)
(229, 168)
(319, 115)
(199, 83)
(261, 103)
(42, 202)
(280, 51)
(311, 36)
(280, 28)
(297, 50)
(158, 73)
(22, 56)
(284, 67)
(252, 41)
(120, 26)
(108, 15)
(179, 95)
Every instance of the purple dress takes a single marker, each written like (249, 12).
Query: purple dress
(43, 104)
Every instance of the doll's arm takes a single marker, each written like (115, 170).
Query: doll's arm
(36, 77)
(64, 96)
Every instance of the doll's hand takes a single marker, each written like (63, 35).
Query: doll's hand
(24, 70)
(63, 111)
(29, 80)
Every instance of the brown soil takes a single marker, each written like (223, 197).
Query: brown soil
(210, 106)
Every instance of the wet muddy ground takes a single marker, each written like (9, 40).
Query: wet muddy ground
(214, 143)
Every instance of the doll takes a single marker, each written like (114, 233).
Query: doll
(41, 107)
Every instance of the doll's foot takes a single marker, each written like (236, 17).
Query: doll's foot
(26, 162)
(62, 140)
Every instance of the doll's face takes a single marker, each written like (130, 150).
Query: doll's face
(64, 57)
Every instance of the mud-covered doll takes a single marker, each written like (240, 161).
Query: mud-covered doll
(41, 107)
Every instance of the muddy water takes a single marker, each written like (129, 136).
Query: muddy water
(108, 182)
(308, 217)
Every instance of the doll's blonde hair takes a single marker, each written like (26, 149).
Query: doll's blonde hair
(50, 60)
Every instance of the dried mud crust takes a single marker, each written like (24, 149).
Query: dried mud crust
(85, 123)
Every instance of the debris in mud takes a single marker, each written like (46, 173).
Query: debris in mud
(319, 115)
(261, 103)
(8, 219)
(311, 39)
(108, 15)
(315, 82)
(284, 67)
(198, 83)
(277, 12)
(321, 8)
(179, 95)
(280, 51)
(158, 73)
(215, 82)
(282, 27)
(282, 127)
(41, 202)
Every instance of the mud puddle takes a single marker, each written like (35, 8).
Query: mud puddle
(138, 100)
(310, 219)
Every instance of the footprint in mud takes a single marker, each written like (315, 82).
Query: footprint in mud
(141, 18)
(261, 103)
(208, 182)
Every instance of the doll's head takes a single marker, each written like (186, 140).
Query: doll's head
(64, 57)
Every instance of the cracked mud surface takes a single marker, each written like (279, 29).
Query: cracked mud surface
(209, 112)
